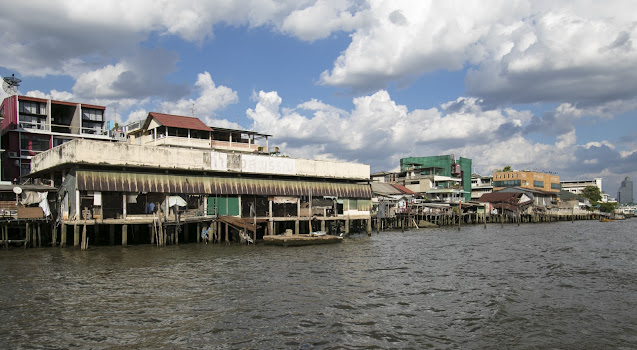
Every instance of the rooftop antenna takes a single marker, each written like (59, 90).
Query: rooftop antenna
(10, 84)
(192, 110)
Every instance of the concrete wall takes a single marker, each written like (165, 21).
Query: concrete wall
(125, 154)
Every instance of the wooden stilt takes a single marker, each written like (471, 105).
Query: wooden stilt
(76, 235)
(84, 244)
(54, 234)
(63, 236)
(124, 235)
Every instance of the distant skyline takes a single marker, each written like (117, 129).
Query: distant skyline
(531, 84)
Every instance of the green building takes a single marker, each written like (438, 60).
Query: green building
(446, 165)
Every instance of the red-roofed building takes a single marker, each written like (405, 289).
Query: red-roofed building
(160, 129)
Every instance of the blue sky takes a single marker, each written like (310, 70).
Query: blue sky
(531, 84)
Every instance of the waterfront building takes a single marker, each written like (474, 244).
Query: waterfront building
(160, 129)
(389, 199)
(172, 174)
(2, 182)
(541, 199)
(442, 178)
(526, 179)
(480, 185)
(625, 192)
(33, 125)
(384, 176)
(578, 186)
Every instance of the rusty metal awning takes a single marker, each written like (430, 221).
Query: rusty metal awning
(186, 184)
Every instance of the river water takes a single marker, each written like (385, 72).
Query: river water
(553, 285)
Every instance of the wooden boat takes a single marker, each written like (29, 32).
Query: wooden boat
(301, 240)
(606, 220)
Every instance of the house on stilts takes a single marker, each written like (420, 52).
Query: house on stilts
(176, 176)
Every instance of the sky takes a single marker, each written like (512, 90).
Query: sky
(537, 85)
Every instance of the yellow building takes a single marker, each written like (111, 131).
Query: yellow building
(526, 179)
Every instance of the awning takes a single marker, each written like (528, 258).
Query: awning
(186, 184)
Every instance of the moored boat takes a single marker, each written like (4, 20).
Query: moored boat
(301, 240)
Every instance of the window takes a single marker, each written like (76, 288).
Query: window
(556, 186)
(506, 183)
(25, 169)
(29, 107)
(96, 115)
(539, 184)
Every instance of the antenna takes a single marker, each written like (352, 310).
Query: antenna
(10, 84)
(192, 110)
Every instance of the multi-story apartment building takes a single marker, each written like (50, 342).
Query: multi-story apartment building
(578, 186)
(480, 185)
(526, 179)
(439, 177)
(33, 125)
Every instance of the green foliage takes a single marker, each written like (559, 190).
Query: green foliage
(607, 207)
(506, 168)
(592, 193)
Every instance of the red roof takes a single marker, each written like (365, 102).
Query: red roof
(177, 121)
(403, 189)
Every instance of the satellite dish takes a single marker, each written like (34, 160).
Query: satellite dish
(17, 190)
(10, 84)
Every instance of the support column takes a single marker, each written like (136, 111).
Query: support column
(369, 226)
(54, 234)
(296, 226)
(39, 228)
(124, 205)
(271, 223)
(227, 237)
(27, 234)
(198, 232)
(76, 235)
(63, 236)
(124, 235)
(347, 227)
(323, 225)
(151, 233)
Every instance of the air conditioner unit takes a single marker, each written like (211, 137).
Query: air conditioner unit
(13, 154)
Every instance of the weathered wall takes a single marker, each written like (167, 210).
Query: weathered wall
(125, 154)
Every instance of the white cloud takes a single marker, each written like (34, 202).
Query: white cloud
(320, 19)
(212, 98)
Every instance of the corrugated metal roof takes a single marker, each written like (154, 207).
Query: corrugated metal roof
(164, 183)
(384, 188)
(496, 197)
(178, 121)
(403, 189)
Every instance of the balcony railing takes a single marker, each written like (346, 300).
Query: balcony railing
(64, 129)
(201, 143)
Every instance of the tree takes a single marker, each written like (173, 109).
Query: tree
(607, 207)
(592, 193)
(506, 168)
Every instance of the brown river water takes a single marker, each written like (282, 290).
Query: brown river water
(535, 286)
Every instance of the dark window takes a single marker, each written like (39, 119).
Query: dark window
(506, 183)
(556, 186)
(538, 183)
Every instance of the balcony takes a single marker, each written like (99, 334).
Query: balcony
(176, 141)
(237, 146)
